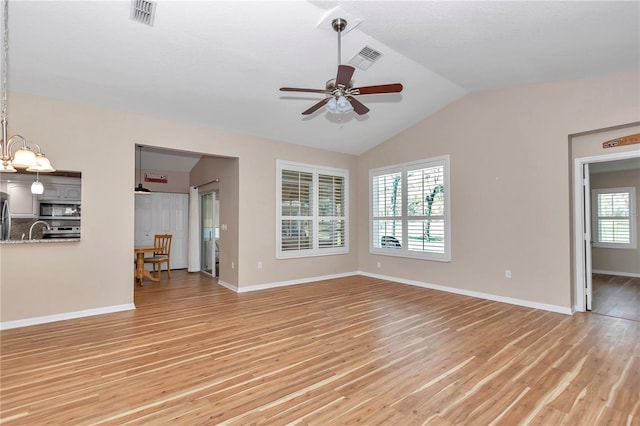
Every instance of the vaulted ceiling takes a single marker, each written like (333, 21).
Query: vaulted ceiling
(221, 63)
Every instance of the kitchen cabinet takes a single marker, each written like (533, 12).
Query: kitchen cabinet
(61, 191)
(22, 203)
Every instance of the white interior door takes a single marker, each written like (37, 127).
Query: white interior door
(163, 213)
(587, 240)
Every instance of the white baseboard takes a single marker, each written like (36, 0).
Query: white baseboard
(487, 296)
(292, 282)
(227, 285)
(618, 274)
(68, 315)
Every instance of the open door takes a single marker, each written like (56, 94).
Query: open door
(586, 241)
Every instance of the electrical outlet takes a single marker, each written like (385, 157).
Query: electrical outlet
(259, 265)
(507, 273)
(378, 265)
(233, 265)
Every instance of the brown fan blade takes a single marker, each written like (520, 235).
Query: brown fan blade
(345, 72)
(382, 88)
(316, 106)
(297, 89)
(358, 106)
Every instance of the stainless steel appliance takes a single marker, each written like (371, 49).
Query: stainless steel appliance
(61, 232)
(60, 210)
(5, 217)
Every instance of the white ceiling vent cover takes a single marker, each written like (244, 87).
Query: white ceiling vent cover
(143, 11)
(365, 58)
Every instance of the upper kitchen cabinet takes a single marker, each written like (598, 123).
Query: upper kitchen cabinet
(22, 203)
(58, 191)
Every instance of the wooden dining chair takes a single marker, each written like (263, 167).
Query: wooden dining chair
(163, 243)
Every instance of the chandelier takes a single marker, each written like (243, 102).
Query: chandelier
(24, 156)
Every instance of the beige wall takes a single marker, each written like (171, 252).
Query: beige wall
(510, 196)
(226, 170)
(48, 279)
(177, 182)
(625, 261)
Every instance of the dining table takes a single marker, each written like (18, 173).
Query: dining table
(141, 272)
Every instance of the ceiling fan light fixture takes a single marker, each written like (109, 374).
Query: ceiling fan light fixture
(332, 105)
(343, 104)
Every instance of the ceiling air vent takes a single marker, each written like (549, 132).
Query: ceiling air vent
(365, 58)
(143, 11)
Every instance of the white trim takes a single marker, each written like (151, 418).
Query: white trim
(228, 286)
(66, 316)
(616, 273)
(486, 296)
(294, 282)
(578, 220)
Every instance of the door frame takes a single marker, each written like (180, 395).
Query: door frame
(581, 186)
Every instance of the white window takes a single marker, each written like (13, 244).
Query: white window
(614, 220)
(311, 210)
(410, 210)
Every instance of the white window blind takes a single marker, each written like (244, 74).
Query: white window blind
(614, 218)
(311, 210)
(410, 210)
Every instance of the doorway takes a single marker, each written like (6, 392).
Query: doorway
(590, 286)
(210, 233)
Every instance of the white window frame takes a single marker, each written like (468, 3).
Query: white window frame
(403, 169)
(316, 250)
(633, 243)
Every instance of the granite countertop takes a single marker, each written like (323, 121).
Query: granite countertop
(47, 241)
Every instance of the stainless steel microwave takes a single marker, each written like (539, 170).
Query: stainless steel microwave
(60, 210)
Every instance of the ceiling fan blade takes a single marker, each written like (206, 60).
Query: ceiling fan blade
(316, 106)
(297, 89)
(358, 106)
(382, 88)
(345, 72)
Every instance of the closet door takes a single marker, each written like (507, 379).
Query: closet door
(163, 213)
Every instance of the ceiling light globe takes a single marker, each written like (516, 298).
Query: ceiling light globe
(37, 187)
(6, 167)
(43, 164)
(24, 158)
(343, 104)
(332, 105)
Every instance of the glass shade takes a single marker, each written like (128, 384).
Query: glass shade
(43, 165)
(37, 187)
(24, 158)
(343, 104)
(7, 168)
(332, 105)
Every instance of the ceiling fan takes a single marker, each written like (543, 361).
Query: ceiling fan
(340, 90)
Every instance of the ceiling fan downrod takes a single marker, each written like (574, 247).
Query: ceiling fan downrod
(339, 25)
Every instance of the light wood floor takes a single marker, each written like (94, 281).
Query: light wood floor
(347, 351)
(616, 296)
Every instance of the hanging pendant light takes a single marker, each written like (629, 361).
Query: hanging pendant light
(36, 187)
(140, 189)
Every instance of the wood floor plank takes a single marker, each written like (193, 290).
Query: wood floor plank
(354, 350)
